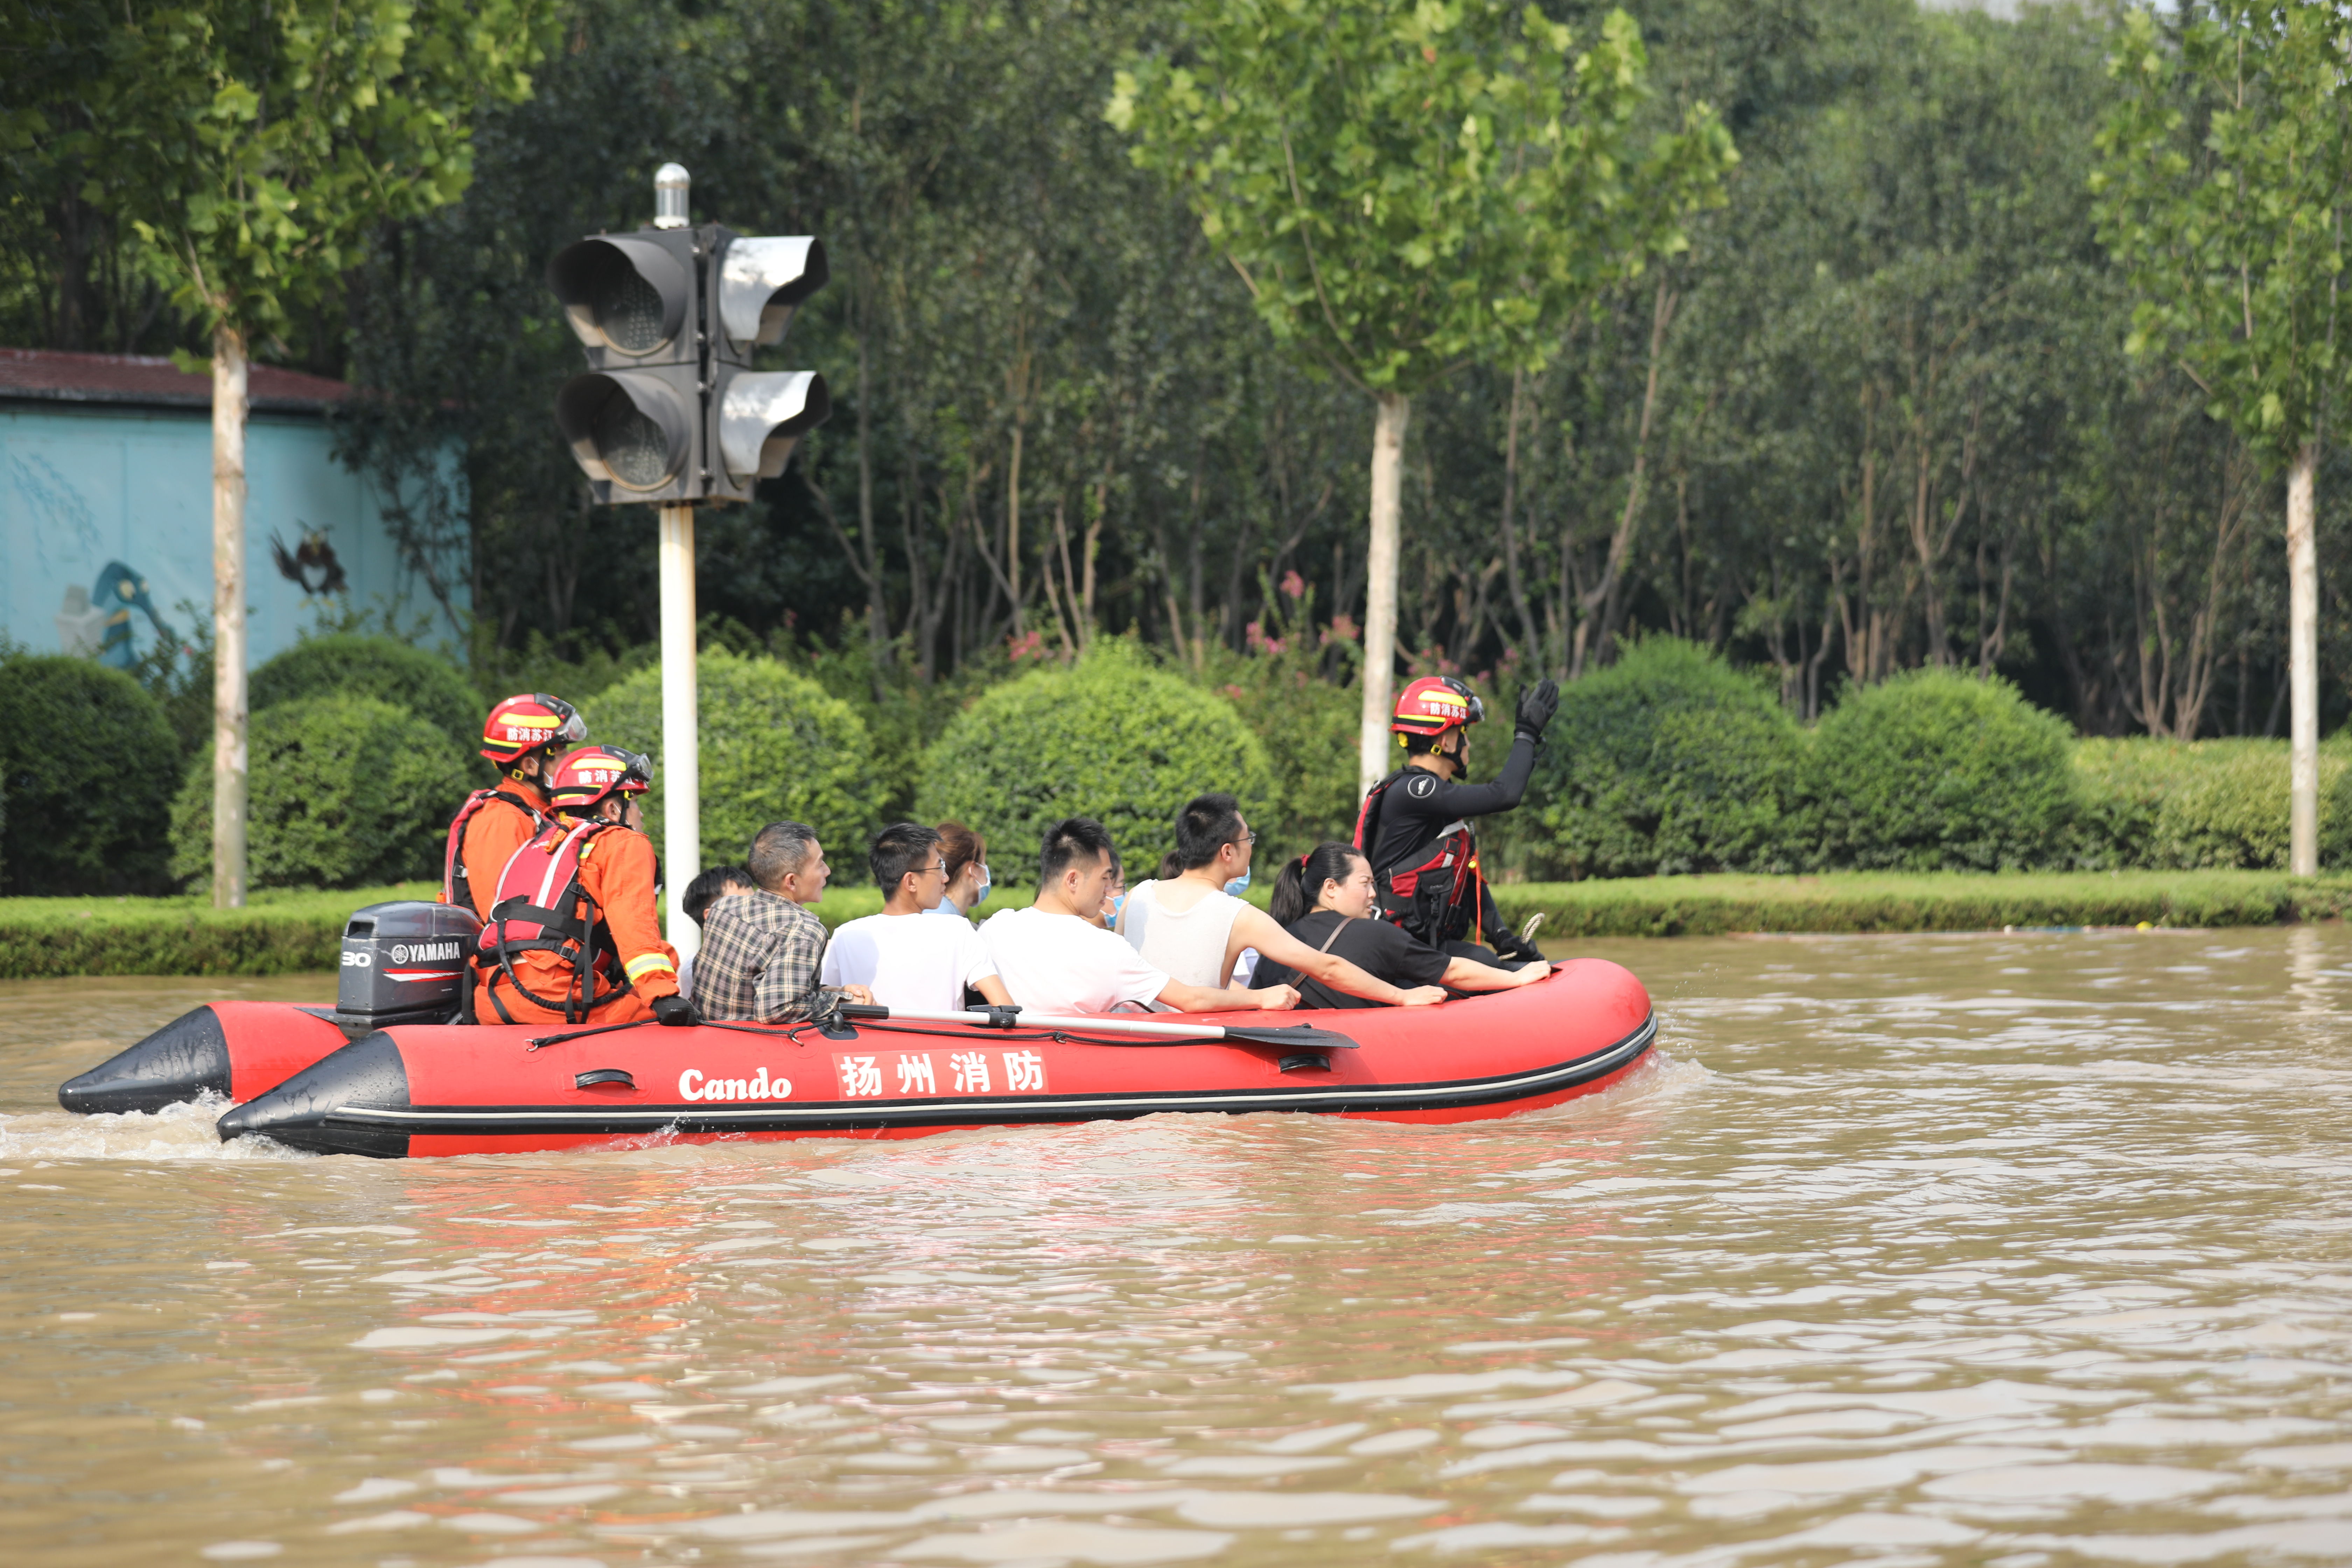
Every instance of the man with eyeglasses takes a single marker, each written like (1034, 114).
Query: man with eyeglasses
(1195, 927)
(909, 964)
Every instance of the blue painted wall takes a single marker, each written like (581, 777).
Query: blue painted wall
(83, 486)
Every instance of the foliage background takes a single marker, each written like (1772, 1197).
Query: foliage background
(775, 746)
(1109, 738)
(1890, 426)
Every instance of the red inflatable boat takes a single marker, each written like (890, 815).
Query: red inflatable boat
(424, 1090)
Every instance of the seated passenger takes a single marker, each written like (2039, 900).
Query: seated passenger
(706, 889)
(966, 853)
(1194, 928)
(1341, 920)
(908, 964)
(1051, 958)
(1106, 915)
(762, 950)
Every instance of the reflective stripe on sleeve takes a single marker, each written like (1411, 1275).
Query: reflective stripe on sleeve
(644, 964)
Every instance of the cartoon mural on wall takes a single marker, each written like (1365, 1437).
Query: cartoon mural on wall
(96, 622)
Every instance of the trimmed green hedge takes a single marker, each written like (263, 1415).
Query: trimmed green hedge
(1111, 737)
(1669, 761)
(2167, 804)
(431, 687)
(1936, 771)
(88, 764)
(775, 746)
(291, 932)
(279, 931)
(343, 791)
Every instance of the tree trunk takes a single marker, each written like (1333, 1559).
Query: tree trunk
(2302, 665)
(228, 617)
(877, 614)
(1391, 413)
(1526, 643)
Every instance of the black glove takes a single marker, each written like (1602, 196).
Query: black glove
(1537, 703)
(675, 1012)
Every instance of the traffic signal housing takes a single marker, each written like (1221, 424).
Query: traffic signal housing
(669, 410)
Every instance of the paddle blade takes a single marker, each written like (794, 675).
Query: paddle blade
(1290, 1037)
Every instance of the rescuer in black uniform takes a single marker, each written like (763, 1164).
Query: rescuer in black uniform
(1415, 823)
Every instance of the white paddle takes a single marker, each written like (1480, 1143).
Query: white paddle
(1299, 1036)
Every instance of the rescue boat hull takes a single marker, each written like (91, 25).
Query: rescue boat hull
(237, 1050)
(419, 1090)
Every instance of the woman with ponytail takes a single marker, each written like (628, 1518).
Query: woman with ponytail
(1324, 899)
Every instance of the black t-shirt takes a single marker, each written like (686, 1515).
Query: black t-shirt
(1376, 947)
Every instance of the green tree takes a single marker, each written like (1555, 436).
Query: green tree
(253, 146)
(2225, 174)
(1405, 187)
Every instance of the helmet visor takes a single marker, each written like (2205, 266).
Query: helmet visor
(1477, 709)
(638, 763)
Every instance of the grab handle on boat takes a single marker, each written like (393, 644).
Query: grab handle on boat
(595, 1076)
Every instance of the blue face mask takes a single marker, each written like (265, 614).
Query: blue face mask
(981, 897)
(1239, 885)
(1117, 904)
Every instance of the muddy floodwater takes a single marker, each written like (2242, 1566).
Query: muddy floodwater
(2008, 1250)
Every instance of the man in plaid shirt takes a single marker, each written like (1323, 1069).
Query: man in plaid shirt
(761, 950)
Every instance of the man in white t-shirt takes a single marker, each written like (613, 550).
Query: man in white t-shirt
(1053, 959)
(911, 965)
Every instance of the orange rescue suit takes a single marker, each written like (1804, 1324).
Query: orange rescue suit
(616, 869)
(487, 837)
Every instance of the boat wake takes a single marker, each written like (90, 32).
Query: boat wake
(182, 1131)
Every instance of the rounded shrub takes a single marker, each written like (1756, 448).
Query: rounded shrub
(1669, 761)
(343, 791)
(426, 684)
(1111, 737)
(1935, 770)
(775, 746)
(88, 764)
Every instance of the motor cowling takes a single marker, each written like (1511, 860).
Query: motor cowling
(406, 962)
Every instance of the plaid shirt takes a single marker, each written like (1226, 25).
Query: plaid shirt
(759, 959)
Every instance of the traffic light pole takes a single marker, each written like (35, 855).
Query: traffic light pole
(681, 767)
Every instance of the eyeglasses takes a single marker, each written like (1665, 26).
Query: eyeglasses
(1246, 838)
(938, 866)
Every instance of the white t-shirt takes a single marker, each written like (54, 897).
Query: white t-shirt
(907, 960)
(1059, 964)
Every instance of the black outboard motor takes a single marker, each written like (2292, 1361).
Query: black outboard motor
(406, 962)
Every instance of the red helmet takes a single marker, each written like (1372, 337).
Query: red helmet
(1434, 704)
(580, 779)
(521, 725)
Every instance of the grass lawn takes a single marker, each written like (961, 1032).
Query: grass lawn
(284, 932)
(1943, 900)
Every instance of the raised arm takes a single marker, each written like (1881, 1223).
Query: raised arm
(1254, 927)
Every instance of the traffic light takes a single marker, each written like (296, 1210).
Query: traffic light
(669, 410)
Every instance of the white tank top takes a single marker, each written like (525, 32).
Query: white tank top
(1189, 947)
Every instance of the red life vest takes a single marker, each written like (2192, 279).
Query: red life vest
(455, 885)
(1433, 893)
(538, 909)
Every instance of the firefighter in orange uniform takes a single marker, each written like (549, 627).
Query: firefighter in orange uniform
(522, 736)
(572, 937)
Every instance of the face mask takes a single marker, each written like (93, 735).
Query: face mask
(1239, 885)
(1118, 904)
(981, 897)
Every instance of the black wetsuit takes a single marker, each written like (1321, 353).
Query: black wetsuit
(1419, 806)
